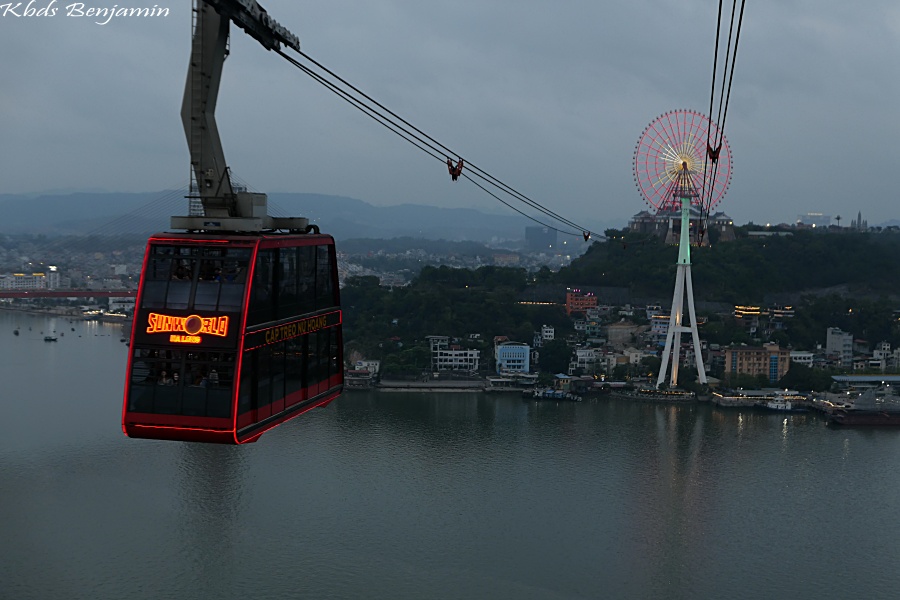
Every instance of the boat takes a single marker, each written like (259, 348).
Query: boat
(15, 332)
(878, 406)
(652, 395)
(782, 406)
(49, 338)
(784, 403)
(551, 394)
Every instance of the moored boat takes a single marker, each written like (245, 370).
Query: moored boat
(652, 395)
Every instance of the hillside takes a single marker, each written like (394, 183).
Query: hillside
(750, 269)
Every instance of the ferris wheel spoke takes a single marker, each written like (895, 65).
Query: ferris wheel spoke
(675, 138)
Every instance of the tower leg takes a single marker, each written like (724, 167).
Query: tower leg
(701, 370)
(683, 286)
(673, 336)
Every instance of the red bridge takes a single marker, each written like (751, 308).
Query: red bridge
(68, 294)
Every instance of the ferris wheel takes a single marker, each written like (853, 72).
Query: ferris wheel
(674, 146)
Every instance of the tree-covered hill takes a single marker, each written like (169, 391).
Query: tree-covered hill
(747, 269)
(444, 301)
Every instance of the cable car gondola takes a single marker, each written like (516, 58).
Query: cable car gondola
(237, 324)
(232, 335)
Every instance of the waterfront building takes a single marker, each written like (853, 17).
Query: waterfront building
(769, 360)
(372, 366)
(121, 305)
(445, 357)
(358, 379)
(585, 359)
(513, 357)
(840, 343)
(48, 280)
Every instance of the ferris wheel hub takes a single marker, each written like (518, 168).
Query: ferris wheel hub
(672, 152)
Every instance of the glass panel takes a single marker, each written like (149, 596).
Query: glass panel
(306, 284)
(179, 292)
(154, 294)
(143, 382)
(247, 397)
(278, 357)
(288, 292)
(324, 287)
(207, 296)
(159, 268)
(220, 384)
(182, 383)
(264, 373)
(294, 366)
(233, 278)
(324, 354)
(335, 367)
(261, 298)
(231, 297)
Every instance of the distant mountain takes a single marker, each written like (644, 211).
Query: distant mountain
(345, 218)
(84, 212)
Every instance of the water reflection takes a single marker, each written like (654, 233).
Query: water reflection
(412, 496)
(210, 490)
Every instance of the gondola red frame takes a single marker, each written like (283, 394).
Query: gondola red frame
(281, 351)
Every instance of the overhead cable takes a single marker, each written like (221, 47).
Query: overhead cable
(424, 142)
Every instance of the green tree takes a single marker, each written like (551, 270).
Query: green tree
(805, 379)
(555, 356)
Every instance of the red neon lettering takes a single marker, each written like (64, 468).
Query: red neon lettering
(192, 325)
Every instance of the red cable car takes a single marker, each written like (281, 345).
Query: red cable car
(232, 336)
(237, 325)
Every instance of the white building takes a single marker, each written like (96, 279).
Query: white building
(585, 359)
(447, 358)
(802, 358)
(30, 281)
(121, 305)
(840, 343)
(659, 328)
(372, 366)
(547, 333)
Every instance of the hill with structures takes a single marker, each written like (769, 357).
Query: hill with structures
(769, 269)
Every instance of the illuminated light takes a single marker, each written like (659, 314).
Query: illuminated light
(185, 339)
(191, 325)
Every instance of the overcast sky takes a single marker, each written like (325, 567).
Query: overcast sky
(548, 95)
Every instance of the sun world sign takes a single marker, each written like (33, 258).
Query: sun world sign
(187, 330)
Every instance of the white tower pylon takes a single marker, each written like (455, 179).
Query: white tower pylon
(682, 188)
